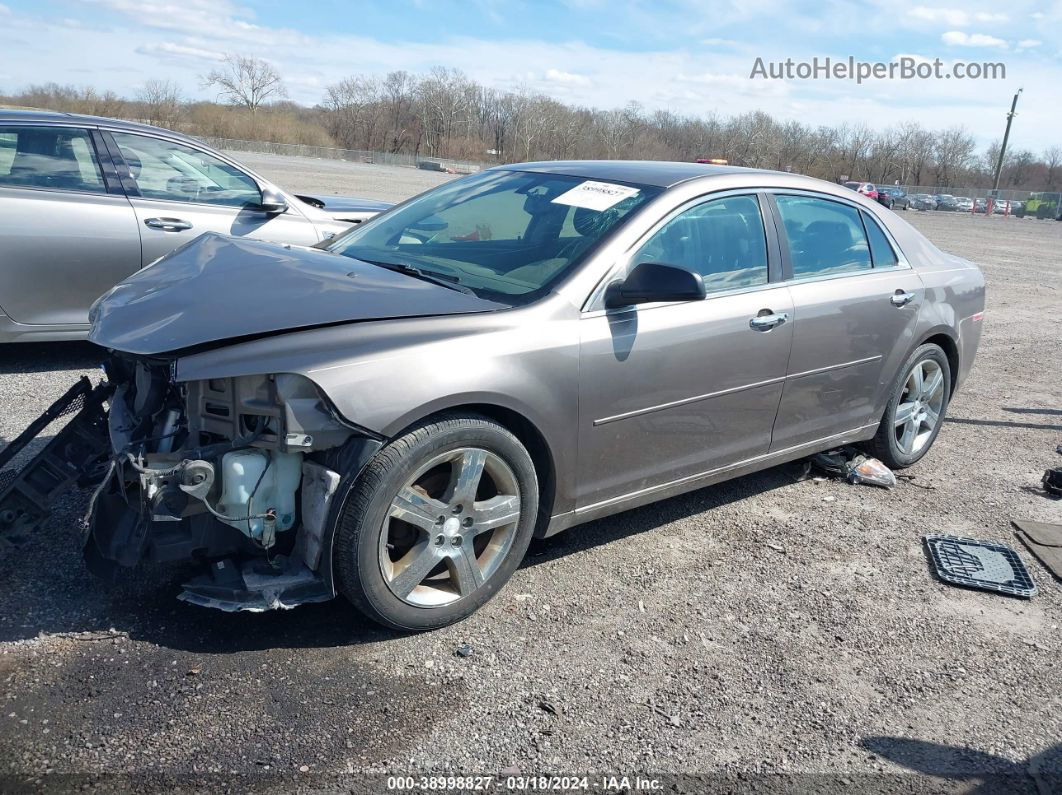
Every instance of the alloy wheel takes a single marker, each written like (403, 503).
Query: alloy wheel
(449, 528)
(920, 406)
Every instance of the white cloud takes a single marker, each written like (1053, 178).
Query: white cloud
(1028, 44)
(559, 76)
(956, 17)
(952, 16)
(714, 42)
(169, 50)
(957, 38)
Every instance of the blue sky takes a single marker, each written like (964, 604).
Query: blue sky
(689, 57)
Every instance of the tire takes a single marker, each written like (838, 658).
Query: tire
(425, 463)
(888, 443)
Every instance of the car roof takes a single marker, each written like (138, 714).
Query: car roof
(28, 116)
(659, 173)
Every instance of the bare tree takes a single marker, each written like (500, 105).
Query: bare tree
(247, 81)
(1052, 165)
(162, 102)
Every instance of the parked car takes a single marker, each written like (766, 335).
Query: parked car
(946, 202)
(1005, 206)
(965, 204)
(393, 416)
(923, 201)
(867, 189)
(897, 197)
(980, 205)
(87, 201)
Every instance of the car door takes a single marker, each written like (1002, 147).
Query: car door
(68, 232)
(855, 302)
(179, 192)
(672, 390)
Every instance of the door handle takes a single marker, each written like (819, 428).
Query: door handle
(901, 298)
(168, 224)
(769, 321)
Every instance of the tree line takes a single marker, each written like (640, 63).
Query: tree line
(444, 113)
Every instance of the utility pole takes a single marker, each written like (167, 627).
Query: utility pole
(1003, 148)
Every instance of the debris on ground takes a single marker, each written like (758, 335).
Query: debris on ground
(464, 650)
(1052, 481)
(985, 565)
(910, 481)
(545, 706)
(1044, 540)
(855, 467)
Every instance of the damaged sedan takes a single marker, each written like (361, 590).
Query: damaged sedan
(392, 416)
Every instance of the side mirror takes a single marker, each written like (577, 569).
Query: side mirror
(273, 202)
(650, 282)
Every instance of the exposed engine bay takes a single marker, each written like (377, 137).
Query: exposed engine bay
(239, 473)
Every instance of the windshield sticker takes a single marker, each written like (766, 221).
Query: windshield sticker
(595, 195)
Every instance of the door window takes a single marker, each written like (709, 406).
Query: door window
(880, 249)
(722, 240)
(59, 158)
(174, 172)
(825, 237)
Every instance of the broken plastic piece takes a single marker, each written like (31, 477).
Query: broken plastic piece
(871, 471)
(1052, 481)
(986, 565)
(855, 467)
(234, 587)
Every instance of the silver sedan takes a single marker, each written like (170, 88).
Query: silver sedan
(86, 202)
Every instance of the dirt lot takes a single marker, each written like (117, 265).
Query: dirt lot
(763, 625)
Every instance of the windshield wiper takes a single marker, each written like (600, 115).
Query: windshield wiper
(417, 273)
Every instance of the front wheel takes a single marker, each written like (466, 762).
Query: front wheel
(437, 523)
(916, 409)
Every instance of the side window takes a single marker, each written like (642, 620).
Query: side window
(825, 237)
(174, 172)
(59, 158)
(722, 240)
(880, 249)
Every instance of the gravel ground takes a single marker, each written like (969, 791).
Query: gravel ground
(763, 625)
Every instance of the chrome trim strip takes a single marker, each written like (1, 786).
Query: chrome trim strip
(684, 401)
(827, 369)
(650, 409)
(720, 470)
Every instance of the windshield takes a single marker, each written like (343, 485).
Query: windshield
(509, 234)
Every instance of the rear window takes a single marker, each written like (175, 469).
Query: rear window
(881, 251)
(57, 158)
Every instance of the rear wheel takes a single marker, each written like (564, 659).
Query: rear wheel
(437, 523)
(916, 409)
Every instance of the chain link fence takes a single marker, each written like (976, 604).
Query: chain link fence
(446, 164)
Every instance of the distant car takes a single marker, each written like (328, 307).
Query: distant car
(980, 205)
(1006, 207)
(946, 202)
(965, 203)
(897, 196)
(866, 188)
(87, 201)
(923, 201)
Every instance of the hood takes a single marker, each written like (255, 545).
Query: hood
(219, 288)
